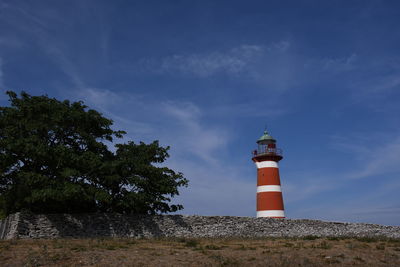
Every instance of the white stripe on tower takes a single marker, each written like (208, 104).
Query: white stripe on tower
(269, 188)
(271, 213)
(267, 164)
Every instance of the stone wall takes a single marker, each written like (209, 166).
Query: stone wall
(26, 225)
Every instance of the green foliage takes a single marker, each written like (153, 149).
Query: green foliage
(53, 159)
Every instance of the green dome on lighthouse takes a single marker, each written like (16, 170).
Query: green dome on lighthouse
(266, 138)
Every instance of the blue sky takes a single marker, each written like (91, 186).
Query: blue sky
(205, 77)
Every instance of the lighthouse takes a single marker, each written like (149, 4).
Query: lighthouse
(269, 193)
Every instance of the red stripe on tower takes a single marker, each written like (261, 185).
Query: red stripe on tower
(269, 193)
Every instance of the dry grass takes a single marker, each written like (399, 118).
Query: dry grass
(308, 251)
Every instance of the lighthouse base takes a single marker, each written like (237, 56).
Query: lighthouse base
(271, 213)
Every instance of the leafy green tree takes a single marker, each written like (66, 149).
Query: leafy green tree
(54, 159)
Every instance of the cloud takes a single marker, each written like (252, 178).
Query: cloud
(377, 164)
(388, 83)
(348, 211)
(272, 67)
(193, 135)
(378, 85)
(344, 199)
(375, 157)
(359, 193)
(379, 205)
(377, 93)
(373, 83)
(203, 65)
(310, 187)
(185, 112)
(279, 46)
(237, 60)
(180, 124)
(102, 99)
(380, 160)
(44, 27)
(340, 64)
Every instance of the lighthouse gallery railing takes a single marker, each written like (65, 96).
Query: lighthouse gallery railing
(267, 151)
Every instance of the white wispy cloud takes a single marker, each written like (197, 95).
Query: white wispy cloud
(375, 157)
(372, 159)
(186, 112)
(237, 60)
(348, 211)
(375, 160)
(102, 99)
(232, 62)
(389, 83)
(41, 27)
(194, 137)
(311, 184)
(375, 81)
(340, 64)
(375, 206)
(377, 93)
(180, 124)
(380, 160)
(378, 85)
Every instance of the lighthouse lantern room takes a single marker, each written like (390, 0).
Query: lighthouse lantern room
(269, 193)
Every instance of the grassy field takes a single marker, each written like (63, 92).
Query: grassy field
(307, 251)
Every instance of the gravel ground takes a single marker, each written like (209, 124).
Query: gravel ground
(26, 225)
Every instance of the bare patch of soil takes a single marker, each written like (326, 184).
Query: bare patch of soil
(307, 251)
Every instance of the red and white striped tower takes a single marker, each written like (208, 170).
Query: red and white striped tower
(269, 193)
